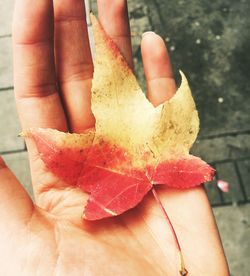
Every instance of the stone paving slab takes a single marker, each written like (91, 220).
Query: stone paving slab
(6, 67)
(223, 148)
(230, 157)
(6, 12)
(213, 193)
(19, 164)
(234, 226)
(237, 174)
(244, 169)
(9, 123)
(227, 172)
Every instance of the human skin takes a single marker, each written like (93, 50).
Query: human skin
(52, 79)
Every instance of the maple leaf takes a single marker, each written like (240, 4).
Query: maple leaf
(134, 145)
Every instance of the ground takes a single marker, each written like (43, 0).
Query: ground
(209, 41)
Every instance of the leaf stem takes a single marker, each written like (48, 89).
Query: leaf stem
(182, 268)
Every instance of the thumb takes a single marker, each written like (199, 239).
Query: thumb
(16, 207)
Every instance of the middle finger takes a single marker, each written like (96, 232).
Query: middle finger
(113, 16)
(74, 62)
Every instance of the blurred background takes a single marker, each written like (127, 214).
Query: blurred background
(209, 41)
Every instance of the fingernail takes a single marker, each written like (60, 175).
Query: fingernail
(147, 33)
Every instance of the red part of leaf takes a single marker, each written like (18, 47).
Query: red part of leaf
(183, 173)
(65, 163)
(94, 170)
(114, 194)
(106, 155)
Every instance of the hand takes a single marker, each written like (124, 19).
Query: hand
(52, 79)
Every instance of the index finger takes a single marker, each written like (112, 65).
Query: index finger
(35, 84)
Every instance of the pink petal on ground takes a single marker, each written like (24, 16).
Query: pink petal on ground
(223, 186)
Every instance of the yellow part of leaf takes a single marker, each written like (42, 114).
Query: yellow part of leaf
(126, 118)
(61, 139)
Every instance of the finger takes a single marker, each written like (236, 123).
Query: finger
(37, 100)
(15, 205)
(157, 68)
(34, 71)
(74, 62)
(113, 16)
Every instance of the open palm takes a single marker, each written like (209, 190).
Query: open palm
(52, 75)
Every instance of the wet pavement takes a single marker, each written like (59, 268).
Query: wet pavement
(209, 42)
